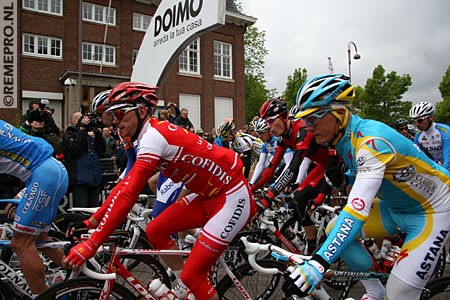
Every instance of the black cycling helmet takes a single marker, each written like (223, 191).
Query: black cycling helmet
(400, 123)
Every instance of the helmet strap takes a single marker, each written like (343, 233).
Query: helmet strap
(343, 123)
(140, 123)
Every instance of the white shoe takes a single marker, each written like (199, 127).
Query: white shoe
(370, 297)
(448, 258)
(180, 291)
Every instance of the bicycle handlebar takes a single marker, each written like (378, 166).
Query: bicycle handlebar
(96, 275)
(253, 249)
(324, 207)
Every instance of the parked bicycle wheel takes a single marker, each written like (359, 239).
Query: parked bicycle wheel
(258, 285)
(84, 288)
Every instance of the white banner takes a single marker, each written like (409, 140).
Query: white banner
(8, 28)
(175, 24)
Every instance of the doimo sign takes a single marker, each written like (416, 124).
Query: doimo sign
(8, 82)
(174, 25)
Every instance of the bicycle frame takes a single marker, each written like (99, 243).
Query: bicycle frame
(15, 281)
(118, 267)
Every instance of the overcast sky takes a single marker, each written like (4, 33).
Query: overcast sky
(408, 37)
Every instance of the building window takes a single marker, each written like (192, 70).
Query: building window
(99, 14)
(99, 54)
(134, 55)
(141, 22)
(42, 46)
(53, 7)
(189, 60)
(222, 59)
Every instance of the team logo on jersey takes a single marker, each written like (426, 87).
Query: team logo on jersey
(432, 255)
(404, 174)
(361, 161)
(358, 204)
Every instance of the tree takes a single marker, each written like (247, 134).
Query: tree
(443, 108)
(255, 51)
(255, 95)
(294, 82)
(382, 96)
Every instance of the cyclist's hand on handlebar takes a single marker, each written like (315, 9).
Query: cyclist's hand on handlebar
(75, 229)
(307, 275)
(80, 253)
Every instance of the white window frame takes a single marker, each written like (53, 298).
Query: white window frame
(53, 7)
(92, 50)
(189, 59)
(193, 104)
(98, 14)
(223, 60)
(38, 42)
(223, 108)
(134, 54)
(141, 22)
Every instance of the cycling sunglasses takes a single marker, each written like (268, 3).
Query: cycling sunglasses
(120, 113)
(272, 119)
(312, 119)
(420, 120)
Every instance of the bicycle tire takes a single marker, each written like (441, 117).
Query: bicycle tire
(259, 285)
(84, 288)
(61, 221)
(437, 289)
(145, 269)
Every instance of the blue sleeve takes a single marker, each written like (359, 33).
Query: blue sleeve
(446, 149)
(344, 232)
(131, 159)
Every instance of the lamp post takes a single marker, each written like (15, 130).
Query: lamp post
(355, 57)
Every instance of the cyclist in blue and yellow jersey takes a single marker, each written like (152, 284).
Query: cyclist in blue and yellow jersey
(30, 159)
(413, 188)
(432, 137)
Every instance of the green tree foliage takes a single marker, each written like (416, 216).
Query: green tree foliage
(382, 96)
(255, 51)
(255, 95)
(294, 82)
(255, 84)
(443, 108)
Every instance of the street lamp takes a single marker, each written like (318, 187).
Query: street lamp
(355, 57)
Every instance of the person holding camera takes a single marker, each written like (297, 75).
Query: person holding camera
(83, 142)
(39, 111)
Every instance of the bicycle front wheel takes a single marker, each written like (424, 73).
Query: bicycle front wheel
(83, 288)
(258, 285)
(437, 289)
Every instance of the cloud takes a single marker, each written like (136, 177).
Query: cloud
(408, 37)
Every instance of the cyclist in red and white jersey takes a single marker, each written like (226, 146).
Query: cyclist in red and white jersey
(221, 202)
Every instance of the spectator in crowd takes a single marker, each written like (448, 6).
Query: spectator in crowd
(200, 132)
(110, 143)
(163, 115)
(183, 120)
(37, 110)
(173, 111)
(38, 128)
(83, 141)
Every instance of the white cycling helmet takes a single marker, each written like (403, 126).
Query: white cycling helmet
(421, 110)
(99, 101)
(260, 125)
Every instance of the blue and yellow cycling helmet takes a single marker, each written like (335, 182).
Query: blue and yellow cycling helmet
(323, 91)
